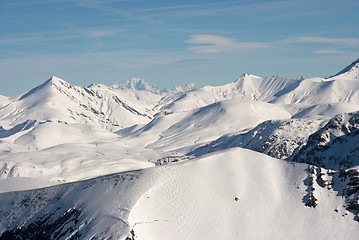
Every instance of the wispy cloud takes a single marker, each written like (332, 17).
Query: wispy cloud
(102, 32)
(350, 42)
(214, 44)
(19, 40)
(192, 9)
(329, 52)
(109, 8)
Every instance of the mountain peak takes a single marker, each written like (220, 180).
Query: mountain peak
(53, 81)
(246, 75)
(140, 85)
(349, 72)
(56, 81)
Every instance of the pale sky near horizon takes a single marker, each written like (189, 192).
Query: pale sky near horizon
(172, 43)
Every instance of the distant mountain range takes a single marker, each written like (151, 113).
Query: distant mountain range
(271, 155)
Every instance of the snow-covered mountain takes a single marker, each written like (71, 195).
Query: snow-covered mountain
(140, 85)
(58, 100)
(232, 195)
(258, 147)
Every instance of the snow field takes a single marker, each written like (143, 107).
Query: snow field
(236, 194)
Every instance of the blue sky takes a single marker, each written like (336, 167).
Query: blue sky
(172, 42)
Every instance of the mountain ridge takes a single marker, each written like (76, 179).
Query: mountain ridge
(349, 71)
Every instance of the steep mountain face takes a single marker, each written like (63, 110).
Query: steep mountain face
(278, 139)
(58, 133)
(335, 146)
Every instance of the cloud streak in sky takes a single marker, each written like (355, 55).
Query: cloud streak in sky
(217, 44)
(329, 52)
(102, 32)
(350, 42)
(214, 44)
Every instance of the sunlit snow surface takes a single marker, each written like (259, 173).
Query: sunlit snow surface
(58, 133)
(236, 194)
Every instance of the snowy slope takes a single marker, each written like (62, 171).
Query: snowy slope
(248, 86)
(236, 194)
(179, 132)
(4, 101)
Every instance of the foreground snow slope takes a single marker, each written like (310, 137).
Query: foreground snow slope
(236, 194)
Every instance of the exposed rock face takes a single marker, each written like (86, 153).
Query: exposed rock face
(335, 146)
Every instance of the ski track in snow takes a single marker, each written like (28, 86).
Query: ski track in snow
(196, 200)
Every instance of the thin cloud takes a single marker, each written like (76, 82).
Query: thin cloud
(102, 32)
(329, 52)
(105, 6)
(350, 42)
(19, 40)
(215, 44)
